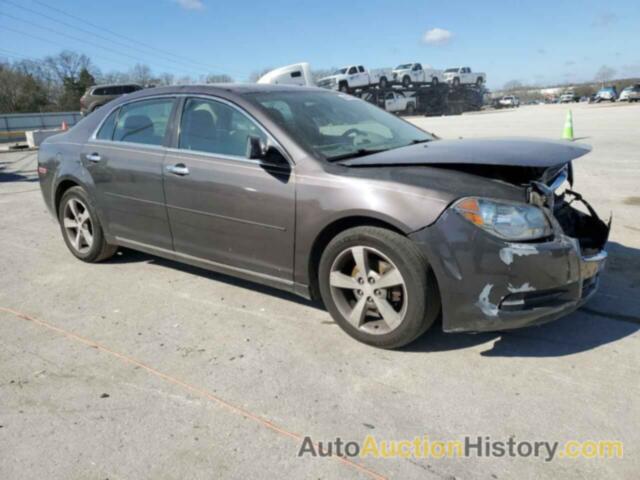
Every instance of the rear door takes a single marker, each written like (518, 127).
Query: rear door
(125, 160)
(222, 206)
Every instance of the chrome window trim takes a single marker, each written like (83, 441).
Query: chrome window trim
(114, 143)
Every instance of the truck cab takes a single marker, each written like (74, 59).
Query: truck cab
(415, 73)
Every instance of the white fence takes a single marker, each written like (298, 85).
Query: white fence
(13, 126)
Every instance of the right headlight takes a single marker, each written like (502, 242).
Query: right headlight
(509, 221)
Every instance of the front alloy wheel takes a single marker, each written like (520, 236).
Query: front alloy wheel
(368, 289)
(378, 286)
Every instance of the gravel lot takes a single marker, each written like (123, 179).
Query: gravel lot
(144, 368)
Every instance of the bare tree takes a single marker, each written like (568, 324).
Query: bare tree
(67, 65)
(255, 76)
(604, 74)
(141, 74)
(512, 85)
(218, 78)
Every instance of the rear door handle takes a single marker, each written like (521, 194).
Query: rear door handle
(179, 169)
(93, 157)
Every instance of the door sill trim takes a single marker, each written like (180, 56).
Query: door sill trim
(202, 262)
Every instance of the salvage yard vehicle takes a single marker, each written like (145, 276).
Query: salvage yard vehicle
(296, 74)
(353, 77)
(393, 101)
(568, 97)
(329, 197)
(630, 94)
(99, 95)
(464, 76)
(609, 94)
(509, 101)
(414, 73)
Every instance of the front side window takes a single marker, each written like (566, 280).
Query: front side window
(353, 70)
(215, 127)
(144, 122)
(336, 125)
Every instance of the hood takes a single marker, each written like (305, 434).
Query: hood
(517, 152)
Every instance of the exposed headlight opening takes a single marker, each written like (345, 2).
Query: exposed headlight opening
(506, 220)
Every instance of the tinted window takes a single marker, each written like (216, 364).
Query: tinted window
(98, 91)
(296, 74)
(333, 125)
(144, 122)
(106, 131)
(361, 69)
(112, 91)
(353, 70)
(215, 127)
(129, 88)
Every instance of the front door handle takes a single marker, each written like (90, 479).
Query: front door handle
(93, 157)
(179, 169)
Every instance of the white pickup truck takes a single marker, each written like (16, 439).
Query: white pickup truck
(415, 73)
(353, 77)
(464, 76)
(392, 101)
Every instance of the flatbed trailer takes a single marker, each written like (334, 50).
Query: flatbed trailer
(431, 100)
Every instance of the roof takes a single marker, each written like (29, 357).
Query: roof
(212, 88)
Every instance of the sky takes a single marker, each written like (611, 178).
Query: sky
(535, 42)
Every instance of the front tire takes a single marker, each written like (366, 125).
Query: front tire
(406, 81)
(81, 227)
(375, 283)
(383, 82)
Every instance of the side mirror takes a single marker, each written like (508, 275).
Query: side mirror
(256, 150)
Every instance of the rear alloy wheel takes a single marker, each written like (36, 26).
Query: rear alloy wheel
(81, 228)
(374, 282)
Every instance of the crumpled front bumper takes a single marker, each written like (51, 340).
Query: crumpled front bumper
(488, 284)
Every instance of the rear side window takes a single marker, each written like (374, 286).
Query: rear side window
(129, 88)
(215, 127)
(296, 74)
(361, 69)
(144, 122)
(106, 131)
(98, 91)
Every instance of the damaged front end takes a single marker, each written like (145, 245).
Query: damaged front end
(489, 282)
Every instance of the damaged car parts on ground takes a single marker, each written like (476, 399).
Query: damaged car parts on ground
(329, 197)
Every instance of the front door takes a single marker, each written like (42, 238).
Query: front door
(223, 207)
(125, 161)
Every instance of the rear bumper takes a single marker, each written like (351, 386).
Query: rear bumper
(487, 284)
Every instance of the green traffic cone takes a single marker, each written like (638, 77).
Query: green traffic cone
(567, 134)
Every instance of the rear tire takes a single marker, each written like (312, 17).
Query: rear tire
(383, 82)
(435, 81)
(479, 82)
(411, 109)
(387, 298)
(81, 229)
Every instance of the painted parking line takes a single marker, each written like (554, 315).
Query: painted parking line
(187, 386)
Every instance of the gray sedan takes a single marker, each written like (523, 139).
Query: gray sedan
(331, 198)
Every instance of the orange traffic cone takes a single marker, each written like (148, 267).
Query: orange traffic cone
(64, 126)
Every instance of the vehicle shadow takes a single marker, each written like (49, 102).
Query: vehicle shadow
(605, 319)
(126, 255)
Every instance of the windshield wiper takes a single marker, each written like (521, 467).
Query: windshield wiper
(362, 152)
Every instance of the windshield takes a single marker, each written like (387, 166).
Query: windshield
(336, 126)
(451, 70)
(404, 67)
(340, 71)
